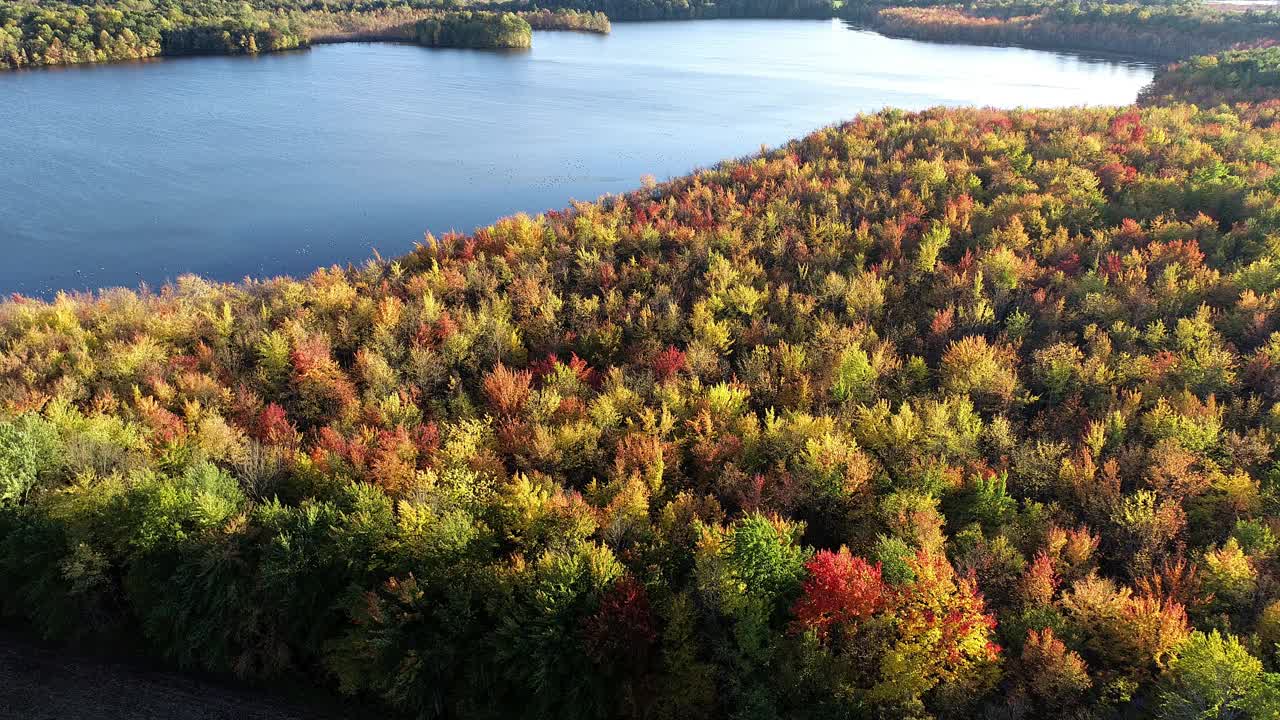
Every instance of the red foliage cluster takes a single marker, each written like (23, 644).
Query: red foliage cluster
(840, 589)
(273, 426)
(668, 362)
(621, 633)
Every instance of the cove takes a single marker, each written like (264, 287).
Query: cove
(257, 166)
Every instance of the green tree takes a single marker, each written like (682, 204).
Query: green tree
(1213, 676)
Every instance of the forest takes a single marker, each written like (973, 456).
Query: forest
(568, 19)
(475, 30)
(1150, 31)
(949, 414)
(1244, 75)
(58, 33)
(53, 32)
(633, 10)
(497, 28)
(37, 33)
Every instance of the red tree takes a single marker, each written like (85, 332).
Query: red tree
(841, 588)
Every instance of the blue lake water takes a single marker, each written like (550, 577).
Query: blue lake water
(232, 166)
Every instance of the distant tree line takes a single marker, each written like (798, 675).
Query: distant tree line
(50, 32)
(63, 34)
(628, 10)
(584, 21)
(475, 30)
(227, 38)
(1239, 75)
(1155, 31)
(60, 33)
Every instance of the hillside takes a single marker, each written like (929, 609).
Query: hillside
(931, 414)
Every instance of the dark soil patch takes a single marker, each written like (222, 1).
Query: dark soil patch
(39, 682)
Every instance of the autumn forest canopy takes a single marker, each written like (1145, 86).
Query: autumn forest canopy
(949, 414)
(964, 413)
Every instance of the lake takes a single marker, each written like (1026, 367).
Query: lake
(257, 166)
